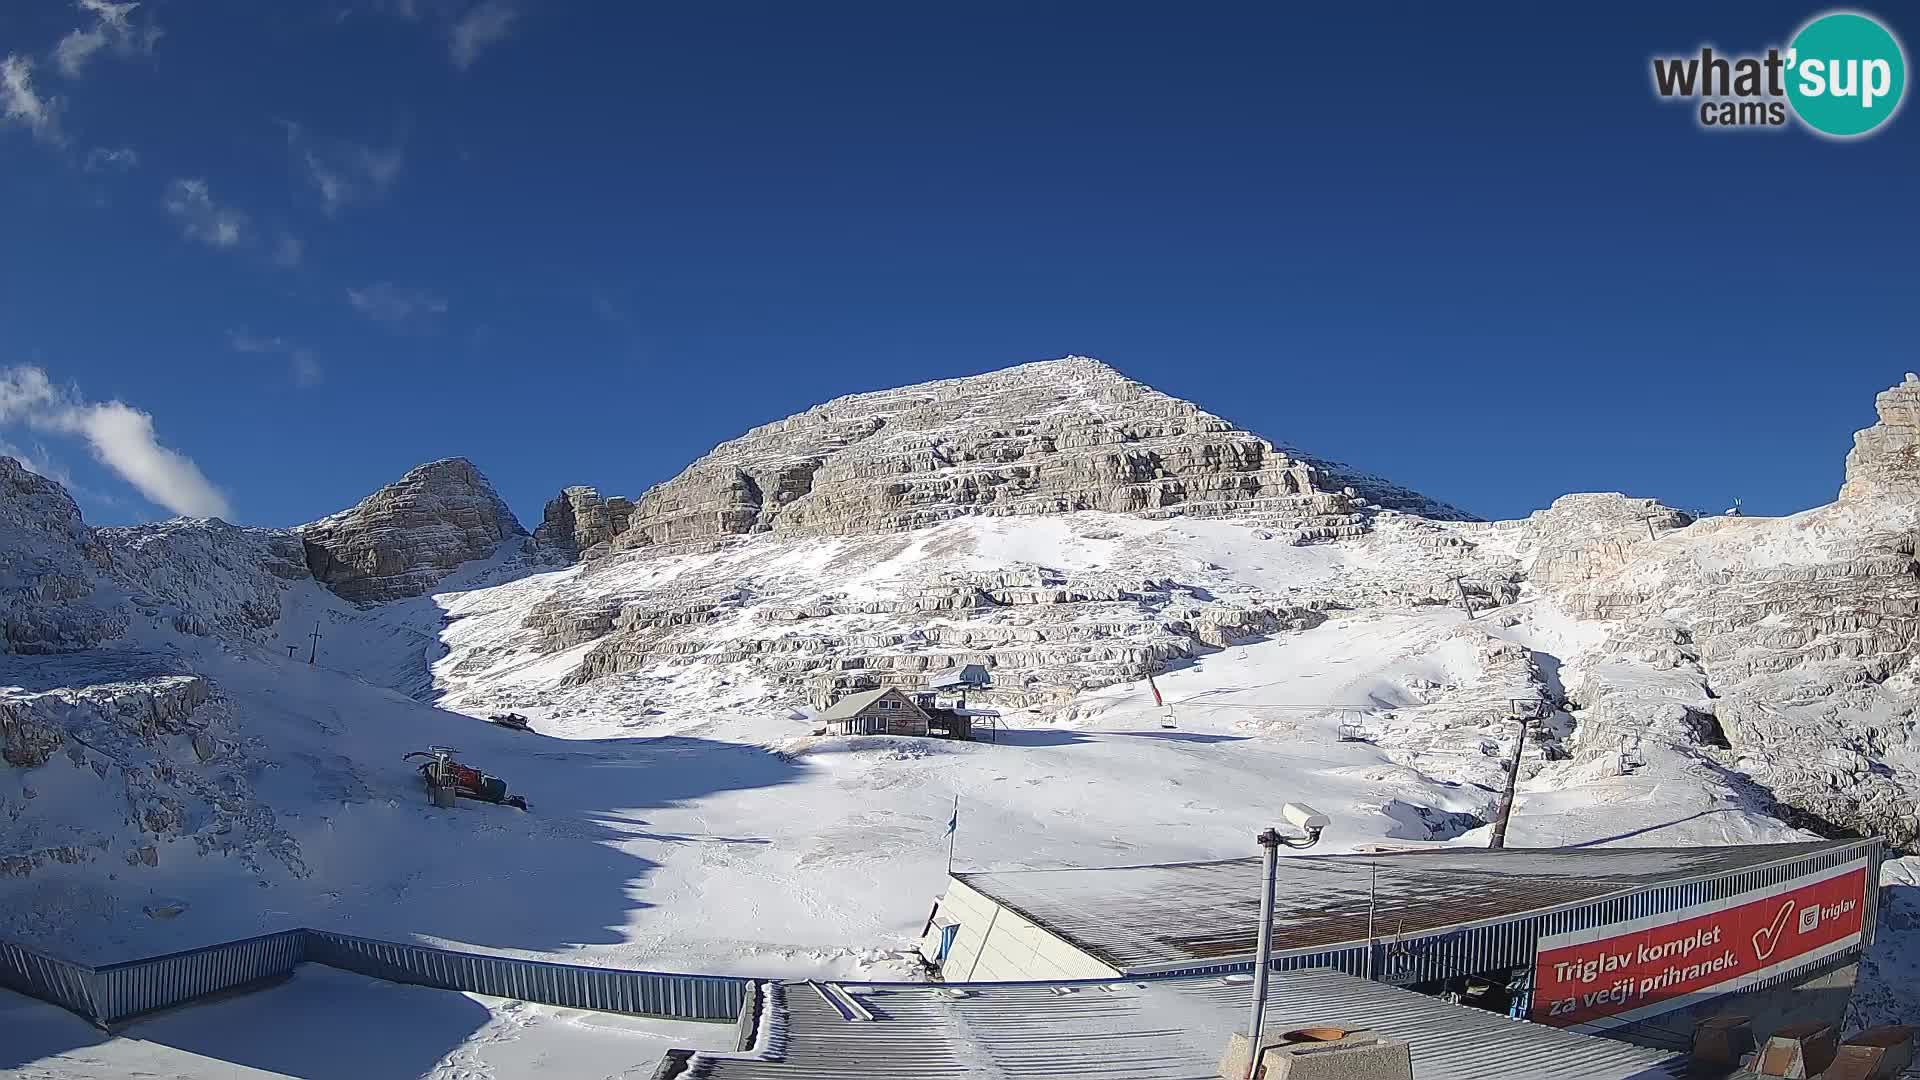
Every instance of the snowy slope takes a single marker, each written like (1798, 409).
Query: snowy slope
(188, 777)
(685, 818)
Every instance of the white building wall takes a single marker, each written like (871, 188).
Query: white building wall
(995, 944)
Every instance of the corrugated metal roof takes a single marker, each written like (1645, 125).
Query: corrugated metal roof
(848, 707)
(1171, 1029)
(970, 675)
(1137, 918)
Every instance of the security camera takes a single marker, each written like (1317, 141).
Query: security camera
(1304, 817)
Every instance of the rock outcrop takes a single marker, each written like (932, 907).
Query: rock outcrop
(209, 577)
(1885, 459)
(1585, 536)
(50, 566)
(1042, 438)
(401, 540)
(579, 524)
(156, 742)
(1791, 642)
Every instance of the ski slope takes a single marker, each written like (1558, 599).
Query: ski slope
(735, 842)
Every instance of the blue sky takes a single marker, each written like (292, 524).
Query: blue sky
(269, 256)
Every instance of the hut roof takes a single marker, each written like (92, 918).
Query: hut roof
(849, 707)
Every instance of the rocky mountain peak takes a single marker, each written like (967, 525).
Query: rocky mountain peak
(1885, 459)
(401, 540)
(580, 524)
(1049, 437)
(49, 563)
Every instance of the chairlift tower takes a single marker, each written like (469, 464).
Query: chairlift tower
(1526, 711)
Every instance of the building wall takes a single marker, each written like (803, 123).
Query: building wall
(891, 722)
(995, 944)
(1823, 996)
(1422, 958)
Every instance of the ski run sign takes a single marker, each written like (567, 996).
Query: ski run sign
(1622, 972)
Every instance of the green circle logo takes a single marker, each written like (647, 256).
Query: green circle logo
(1846, 74)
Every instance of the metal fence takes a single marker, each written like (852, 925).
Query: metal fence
(116, 992)
(141, 986)
(48, 978)
(647, 993)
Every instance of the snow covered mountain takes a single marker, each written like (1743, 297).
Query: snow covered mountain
(1043, 438)
(178, 773)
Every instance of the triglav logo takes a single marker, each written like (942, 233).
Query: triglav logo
(1843, 75)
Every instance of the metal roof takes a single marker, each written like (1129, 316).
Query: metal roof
(1143, 918)
(848, 707)
(970, 675)
(1171, 1029)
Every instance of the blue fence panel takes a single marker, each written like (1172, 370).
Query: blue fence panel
(38, 975)
(140, 986)
(647, 993)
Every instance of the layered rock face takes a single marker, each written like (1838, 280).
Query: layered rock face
(1046, 631)
(50, 565)
(1052, 607)
(1043, 438)
(1584, 536)
(161, 744)
(1791, 639)
(1885, 459)
(718, 566)
(211, 578)
(581, 525)
(401, 540)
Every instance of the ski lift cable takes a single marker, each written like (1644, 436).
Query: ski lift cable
(1287, 707)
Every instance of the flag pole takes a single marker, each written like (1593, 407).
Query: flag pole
(953, 827)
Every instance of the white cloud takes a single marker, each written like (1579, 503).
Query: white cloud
(191, 204)
(103, 159)
(242, 341)
(121, 437)
(470, 28)
(386, 302)
(302, 366)
(111, 27)
(21, 104)
(344, 172)
(484, 25)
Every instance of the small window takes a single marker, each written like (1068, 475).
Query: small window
(887, 704)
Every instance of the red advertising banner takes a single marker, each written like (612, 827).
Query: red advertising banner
(1612, 974)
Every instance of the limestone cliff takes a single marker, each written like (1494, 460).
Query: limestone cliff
(404, 538)
(1885, 459)
(214, 579)
(1042, 438)
(1793, 639)
(580, 524)
(50, 562)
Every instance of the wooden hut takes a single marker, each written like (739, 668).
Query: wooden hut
(885, 711)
